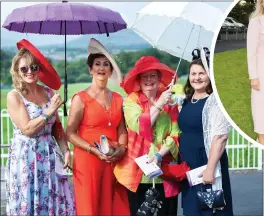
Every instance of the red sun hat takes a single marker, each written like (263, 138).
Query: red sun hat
(144, 64)
(47, 74)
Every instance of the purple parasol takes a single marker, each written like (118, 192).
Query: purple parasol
(64, 19)
(51, 18)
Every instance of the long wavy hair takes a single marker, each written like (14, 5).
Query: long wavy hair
(18, 82)
(188, 89)
(259, 9)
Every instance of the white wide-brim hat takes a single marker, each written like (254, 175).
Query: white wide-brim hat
(95, 47)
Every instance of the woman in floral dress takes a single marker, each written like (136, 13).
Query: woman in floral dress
(33, 187)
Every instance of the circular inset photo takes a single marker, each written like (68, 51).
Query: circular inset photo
(239, 67)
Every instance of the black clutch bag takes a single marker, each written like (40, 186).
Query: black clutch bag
(209, 199)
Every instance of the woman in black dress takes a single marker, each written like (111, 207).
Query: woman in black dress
(203, 141)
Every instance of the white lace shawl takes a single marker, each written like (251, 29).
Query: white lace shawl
(214, 124)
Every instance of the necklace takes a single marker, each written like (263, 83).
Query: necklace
(194, 102)
(109, 112)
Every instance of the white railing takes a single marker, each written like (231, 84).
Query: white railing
(232, 34)
(241, 154)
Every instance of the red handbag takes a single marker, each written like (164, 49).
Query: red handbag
(174, 172)
(172, 175)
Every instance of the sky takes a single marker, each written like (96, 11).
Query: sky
(126, 9)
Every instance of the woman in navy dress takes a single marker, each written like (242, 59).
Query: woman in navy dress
(192, 120)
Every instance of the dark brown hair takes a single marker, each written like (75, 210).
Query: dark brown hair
(188, 89)
(92, 57)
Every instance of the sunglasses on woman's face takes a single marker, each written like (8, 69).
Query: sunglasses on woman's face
(33, 68)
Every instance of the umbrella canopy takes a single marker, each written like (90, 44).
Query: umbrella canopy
(178, 27)
(51, 18)
(64, 19)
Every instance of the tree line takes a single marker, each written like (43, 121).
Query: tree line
(242, 11)
(78, 70)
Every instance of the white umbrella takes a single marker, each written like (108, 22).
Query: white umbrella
(179, 27)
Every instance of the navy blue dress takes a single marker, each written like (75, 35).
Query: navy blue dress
(193, 152)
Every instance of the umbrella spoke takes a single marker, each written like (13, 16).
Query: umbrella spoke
(40, 28)
(169, 24)
(81, 27)
(106, 30)
(60, 27)
(137, 20)
(98, 25)
(23, 27)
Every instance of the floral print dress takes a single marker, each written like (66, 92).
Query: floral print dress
(33, 187)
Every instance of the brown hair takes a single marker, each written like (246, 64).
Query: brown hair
(92, 57)
(18, 83)
(188, 89)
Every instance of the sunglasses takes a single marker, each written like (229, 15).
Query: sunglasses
(33, 68)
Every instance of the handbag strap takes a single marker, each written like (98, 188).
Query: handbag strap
(203, 189)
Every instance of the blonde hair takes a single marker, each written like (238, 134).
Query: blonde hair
(18, 82)
(259, 9)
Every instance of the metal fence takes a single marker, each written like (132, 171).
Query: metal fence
(241, 154)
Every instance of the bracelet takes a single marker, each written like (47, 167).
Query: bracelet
(45, 117)
(157, 107)
(124, 145)
(89, 149)
(159, 157)
(65, 150)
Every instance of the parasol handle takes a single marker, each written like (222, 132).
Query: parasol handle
(153, 182)
(174, 77)
(171, 85)
(65, 76)
(173, 82)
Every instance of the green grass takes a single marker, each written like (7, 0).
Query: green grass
(3, 97)
(233, 87)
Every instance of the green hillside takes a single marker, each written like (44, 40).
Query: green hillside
(78, 70)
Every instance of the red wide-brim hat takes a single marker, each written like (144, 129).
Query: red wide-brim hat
(144, 64)
(47, 73)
